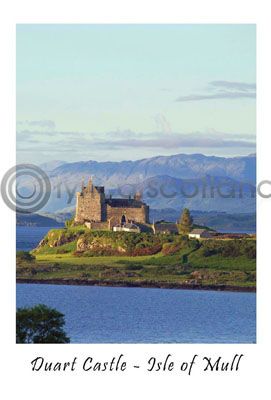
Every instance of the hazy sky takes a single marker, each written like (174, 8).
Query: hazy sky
(114, 92)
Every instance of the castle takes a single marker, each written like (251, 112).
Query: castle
(99, 212)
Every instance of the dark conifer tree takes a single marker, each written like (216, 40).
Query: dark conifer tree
(185, 222)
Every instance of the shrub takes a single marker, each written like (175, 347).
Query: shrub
(69, 222)
(170, 249)
(62, 251)
(194, 244)
(207, 252)
(24, 256)
(249, 249)
(134, 267)
(146, 251)
(230, 248)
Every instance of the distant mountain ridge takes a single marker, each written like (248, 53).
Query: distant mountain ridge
(196, 194)
(36, 220)
(167, 171)
(183, 166)
(51, 165)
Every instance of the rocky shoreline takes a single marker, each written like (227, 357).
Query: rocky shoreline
(142, 284)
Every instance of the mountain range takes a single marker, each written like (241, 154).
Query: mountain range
(165, 181)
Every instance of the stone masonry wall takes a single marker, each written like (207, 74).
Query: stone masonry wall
(114, 214)
(89, 207)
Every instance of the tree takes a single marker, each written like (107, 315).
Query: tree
(40, 324)
(185, 222)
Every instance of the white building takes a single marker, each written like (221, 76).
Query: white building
(129, 227)
(199, 234)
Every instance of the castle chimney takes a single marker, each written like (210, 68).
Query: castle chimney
(90, 185)
(138, 196)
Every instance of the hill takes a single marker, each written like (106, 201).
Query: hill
(35, 220)
(185, 166)
(166, 172)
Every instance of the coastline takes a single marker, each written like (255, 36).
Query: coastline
(146, 284)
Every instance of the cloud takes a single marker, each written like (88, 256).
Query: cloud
(53, 141)
(223, 90)
(242, 86)
(225, 95)
(27, 133)
(193, 140)
(57, 143)
(162, 123)
(45, 123)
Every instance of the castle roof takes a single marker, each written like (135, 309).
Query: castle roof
(198, 231)
(124, 203)
(165, 227)
(130, 225)
(100, 189)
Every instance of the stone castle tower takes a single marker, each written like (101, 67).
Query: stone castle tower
(90, 203)
(92, 206)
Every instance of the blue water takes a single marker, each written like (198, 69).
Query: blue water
(28, 237)
(136, 315)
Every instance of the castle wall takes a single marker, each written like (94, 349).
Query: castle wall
(90, 207)
(139, 214)
(98, 225)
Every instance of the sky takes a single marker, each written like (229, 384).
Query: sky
(119, 92)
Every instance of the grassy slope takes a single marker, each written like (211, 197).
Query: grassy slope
(158, 268)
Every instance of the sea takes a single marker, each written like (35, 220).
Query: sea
(96, 314)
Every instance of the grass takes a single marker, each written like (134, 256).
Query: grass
(187, 265)
(134, 273)
(142, 269)
(98, 260)
(222, 263)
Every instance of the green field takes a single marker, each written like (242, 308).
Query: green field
(175, 260)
